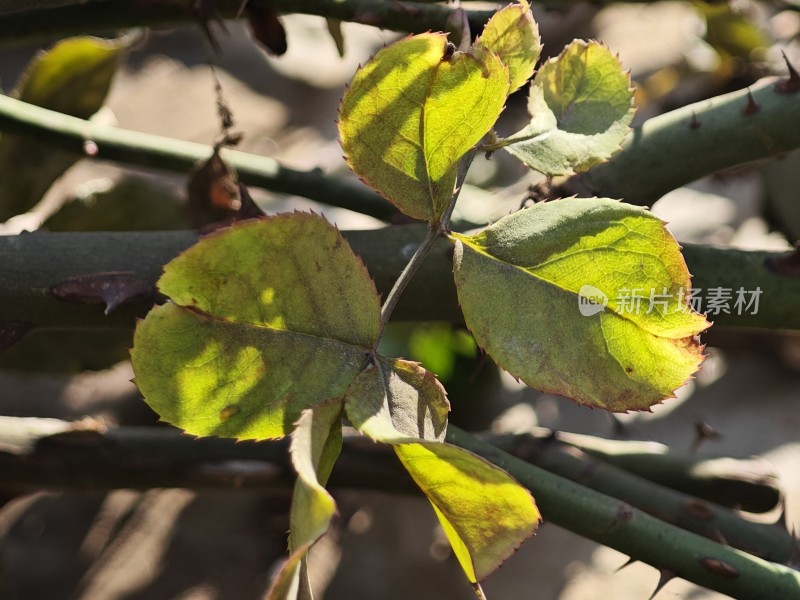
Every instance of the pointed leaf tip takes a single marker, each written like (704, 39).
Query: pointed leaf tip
(513, 35)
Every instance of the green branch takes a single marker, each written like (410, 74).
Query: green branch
(53, 454)
(666, 152)
(33, 264)
(683, 145)
(616, 524)
(146, 150)
(49, 19)
(748, 484)
(771, 542)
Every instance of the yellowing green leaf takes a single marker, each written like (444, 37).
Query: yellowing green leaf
(412, 112)
(397, 399)
(316, 444)
(586, 298)
(581, 106)
(73, 78)
(512, 34)
(485, 513)
(268, 318)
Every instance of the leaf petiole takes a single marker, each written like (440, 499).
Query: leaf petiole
(435, 231)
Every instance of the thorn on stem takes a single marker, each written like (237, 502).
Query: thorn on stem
(695, 122)
(752, 107)
(11, 332)
(627, 563)
(703, 432)
(665, 577)
(787, 264)
(790, 85)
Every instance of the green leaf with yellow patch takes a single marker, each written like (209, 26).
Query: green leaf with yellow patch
(586, 298)
(485, 513)
(268, 318)
(513, 35)
(581, 107)
(413, 111)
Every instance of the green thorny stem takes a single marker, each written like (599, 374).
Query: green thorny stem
(436, 229)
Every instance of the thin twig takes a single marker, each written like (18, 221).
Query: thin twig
(135, 148)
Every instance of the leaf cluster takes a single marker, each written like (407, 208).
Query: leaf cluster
(274, 324)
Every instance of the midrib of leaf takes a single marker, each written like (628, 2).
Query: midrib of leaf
(525, 270)
(423, 137)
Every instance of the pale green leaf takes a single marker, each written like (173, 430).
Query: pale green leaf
(581, 107)
(485, 513)
(316, 444)
(396, 399)
(525, 284)
(72, 78)
(268, 318)
(513, 35)
(412, 112)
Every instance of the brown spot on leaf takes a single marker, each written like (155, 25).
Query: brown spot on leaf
(449, 51)
(229, 411)
(11, 332)
(110, 288)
